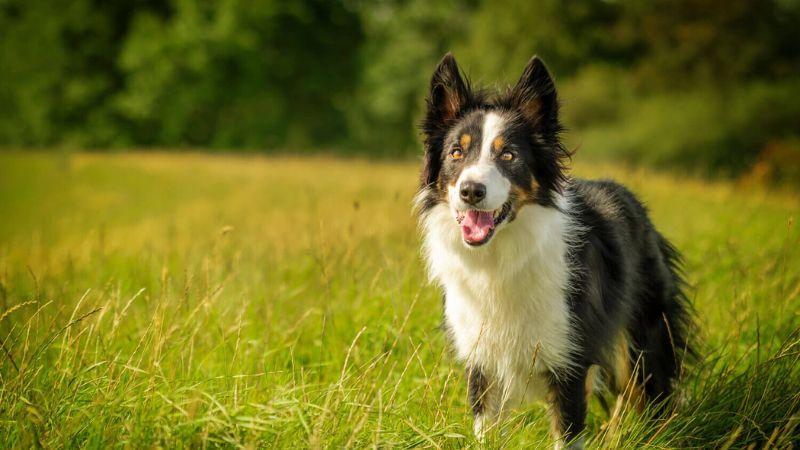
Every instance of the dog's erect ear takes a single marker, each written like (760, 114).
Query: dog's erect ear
(535, 95)
(448, 95)
(448, 92)
(535, 98)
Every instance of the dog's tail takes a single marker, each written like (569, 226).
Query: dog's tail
(661, 344)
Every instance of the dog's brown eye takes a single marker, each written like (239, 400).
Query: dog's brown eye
(506, 156)
(456, 153)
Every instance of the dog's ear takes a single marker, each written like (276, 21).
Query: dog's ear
(448, 95)
(535, 96)
(448, 91)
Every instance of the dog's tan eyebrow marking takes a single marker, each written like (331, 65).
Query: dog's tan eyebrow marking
(498, 143)
(465, 140)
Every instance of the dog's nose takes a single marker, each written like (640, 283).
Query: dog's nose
(472, 192)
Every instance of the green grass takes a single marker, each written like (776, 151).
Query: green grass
(183, 300)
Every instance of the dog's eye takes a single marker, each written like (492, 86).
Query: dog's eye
(506, 156)
(456, 153)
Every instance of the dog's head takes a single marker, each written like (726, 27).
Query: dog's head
(488, 156)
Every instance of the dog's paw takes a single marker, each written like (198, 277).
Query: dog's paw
(479, 428)
(576, 444)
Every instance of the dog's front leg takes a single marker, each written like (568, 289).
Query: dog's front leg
(484, 401)
(568, 408)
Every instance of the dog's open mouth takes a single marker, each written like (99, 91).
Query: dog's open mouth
(477, 226)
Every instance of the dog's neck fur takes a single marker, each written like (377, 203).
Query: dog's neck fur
(506, 304)
(539, 239)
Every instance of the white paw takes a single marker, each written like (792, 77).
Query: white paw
(479, 428)
(576, 444)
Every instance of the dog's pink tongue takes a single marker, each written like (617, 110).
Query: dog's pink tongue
(476, 225)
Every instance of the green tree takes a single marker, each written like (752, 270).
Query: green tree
(405, 40)
(58, 68)
(257, 73)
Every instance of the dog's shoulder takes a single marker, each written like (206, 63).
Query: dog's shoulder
(606, 201)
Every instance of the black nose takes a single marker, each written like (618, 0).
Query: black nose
(472, 192)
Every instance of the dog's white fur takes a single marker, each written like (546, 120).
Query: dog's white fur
(505, 301)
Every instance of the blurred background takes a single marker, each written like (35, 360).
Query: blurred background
(709, 86)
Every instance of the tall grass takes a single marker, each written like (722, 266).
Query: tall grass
(187, 300)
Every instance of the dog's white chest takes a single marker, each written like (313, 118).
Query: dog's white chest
(505, 305)
(516, 331)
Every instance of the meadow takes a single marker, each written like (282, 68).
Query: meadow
(187, 300)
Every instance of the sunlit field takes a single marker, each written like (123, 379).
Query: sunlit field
(187, 300)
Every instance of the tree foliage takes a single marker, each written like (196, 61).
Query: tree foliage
(351, 74)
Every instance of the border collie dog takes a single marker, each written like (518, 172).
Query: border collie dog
(548, 280)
